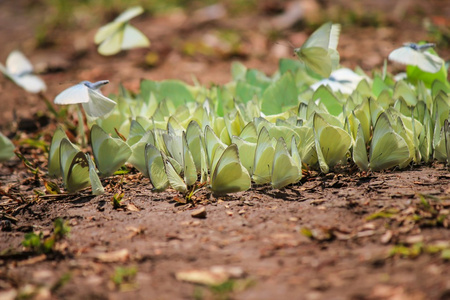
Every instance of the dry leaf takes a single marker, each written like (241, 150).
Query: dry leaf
(214, 276)
(199, 213)
(132, 207)
(115, 256)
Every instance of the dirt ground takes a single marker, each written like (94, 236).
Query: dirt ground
(343, 235)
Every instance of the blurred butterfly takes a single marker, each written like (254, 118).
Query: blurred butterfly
(89, 95)
(6, 148)
(319, 51)
(20, 71)
(343, 80)
(417, 55)
(120, 35)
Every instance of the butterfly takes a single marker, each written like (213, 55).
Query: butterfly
(20, 71)
(88, 94)
(343, 80)
(74, 167)
(6, 148)
(120, 35)
(229, 175)
(54, 166)
(319, 51)
(156, 168)
(285, 169)
(417, 55)
(109, 153)
(388, 149)
(263, 161)
(332, 143)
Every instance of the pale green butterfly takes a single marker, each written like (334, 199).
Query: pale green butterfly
(388, 149)
(97, 188)
(262, 166)
(120, 35)
(74, 167)
(212, 141)
(6, 148)
(155, 168)
(54, 167)
(246, 152)
(137, 158)
(360, 151)
(109, 153)
(332, 143)
(284, 170)
(19, 69)
(319, 51)
(189, 168)
(229, 175)
(176, 182)
(195, 142)
(88, 94)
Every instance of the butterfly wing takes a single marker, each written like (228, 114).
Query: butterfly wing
(430, 63)
(405, 55)
(75, 94)
(230, 176)
(155, 168)
(317, 59)
(321, 37)
(133, 38)
(129, 14)
(174, 178)
(388, 149)
(74, 167)
(112, 44)
(6, 148)
(30, 83)
(98, 105)
(107, 31)
(54, 167)
(189, 168)
(97, 188)
(17, 64)
(246, 152)
(284, 169)
(109, 153)
(359, 150)
(262, 166)
(334, 36)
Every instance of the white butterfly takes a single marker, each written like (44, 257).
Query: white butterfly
(416, 55)
(20, 70)
(89, 95)
(120, 35)
(343, 80)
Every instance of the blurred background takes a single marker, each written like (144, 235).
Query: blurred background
(198, 40)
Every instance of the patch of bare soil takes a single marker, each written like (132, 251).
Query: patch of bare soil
(332, 237)
(341, 236)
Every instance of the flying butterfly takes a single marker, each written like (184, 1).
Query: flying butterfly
(319, 51)
(417, 55)
(120, 35)
(19, 69)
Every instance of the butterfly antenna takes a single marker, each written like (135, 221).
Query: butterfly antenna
(289, 46)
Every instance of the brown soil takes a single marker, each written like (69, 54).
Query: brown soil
(328, 237)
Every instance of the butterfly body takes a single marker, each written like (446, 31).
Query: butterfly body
(89, 95)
